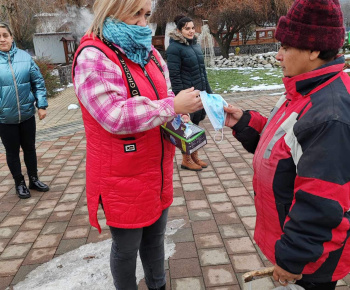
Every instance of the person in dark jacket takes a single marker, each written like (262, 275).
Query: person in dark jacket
(22, 88)
(302, 152)
(187, 69)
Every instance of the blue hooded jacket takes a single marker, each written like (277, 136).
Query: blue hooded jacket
(22, 86)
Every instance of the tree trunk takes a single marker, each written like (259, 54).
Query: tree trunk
(223, 49)
(226, 48)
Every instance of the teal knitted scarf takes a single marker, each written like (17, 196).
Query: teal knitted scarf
(135, 40)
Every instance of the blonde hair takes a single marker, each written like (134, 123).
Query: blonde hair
(117, 9)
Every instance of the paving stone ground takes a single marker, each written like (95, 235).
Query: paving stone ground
(213, 249)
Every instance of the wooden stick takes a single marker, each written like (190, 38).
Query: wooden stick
(257, 274)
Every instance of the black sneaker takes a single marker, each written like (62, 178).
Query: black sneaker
(36, 184)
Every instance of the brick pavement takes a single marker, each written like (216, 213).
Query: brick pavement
(213, 249)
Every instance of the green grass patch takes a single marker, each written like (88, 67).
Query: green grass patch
(240, 79)
(224, 80)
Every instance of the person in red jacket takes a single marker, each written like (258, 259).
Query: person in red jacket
(123, 86)
(302, 152)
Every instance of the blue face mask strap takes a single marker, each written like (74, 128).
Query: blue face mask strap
(222, 136)
(222, 132)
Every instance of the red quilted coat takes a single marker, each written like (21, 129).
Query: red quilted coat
(130, 174)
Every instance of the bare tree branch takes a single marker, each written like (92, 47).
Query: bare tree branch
(225, 17)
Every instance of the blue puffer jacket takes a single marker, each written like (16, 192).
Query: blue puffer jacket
(21, 86)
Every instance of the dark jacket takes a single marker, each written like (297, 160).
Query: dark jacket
(186, 67)
(302, 174)
(22, 86)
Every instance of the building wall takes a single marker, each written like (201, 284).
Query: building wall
(48, 45)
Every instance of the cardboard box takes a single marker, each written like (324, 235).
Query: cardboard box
(186, 136)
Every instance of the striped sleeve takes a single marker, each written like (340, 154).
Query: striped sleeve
(100, 87)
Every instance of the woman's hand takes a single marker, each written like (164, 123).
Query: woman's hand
(234, 114)
(284, 277)
(187, 101)
(41, 113)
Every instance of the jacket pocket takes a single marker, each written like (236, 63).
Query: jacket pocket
(129, 155)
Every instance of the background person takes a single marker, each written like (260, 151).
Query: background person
(302, 152)
(129, 165)
(187, 69)
(22, 88)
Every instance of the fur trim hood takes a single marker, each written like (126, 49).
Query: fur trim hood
(175, 35)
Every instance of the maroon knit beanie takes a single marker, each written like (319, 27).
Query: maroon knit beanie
(312, 24)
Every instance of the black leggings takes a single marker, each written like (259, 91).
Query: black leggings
(317, 286)
(14, 136)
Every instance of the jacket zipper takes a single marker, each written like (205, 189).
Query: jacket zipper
(161, 163)
(16, 89)
(199, 65)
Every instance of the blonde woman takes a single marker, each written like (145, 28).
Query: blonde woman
(123, 84)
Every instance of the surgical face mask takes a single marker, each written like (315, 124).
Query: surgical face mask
(214, 106)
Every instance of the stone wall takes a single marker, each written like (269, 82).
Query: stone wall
(263, 60)
(251, 48)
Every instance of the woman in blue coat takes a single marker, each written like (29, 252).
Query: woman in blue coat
(187, 69)
(22, 88)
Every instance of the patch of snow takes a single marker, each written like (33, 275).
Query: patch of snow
(73, 107)
(256, 78)
(256, 88)
(69, 85)
(59, 90)
(277, 94)
(87, 267)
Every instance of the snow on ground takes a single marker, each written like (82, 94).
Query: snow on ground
(59, 90)
(254, 79)
(73, 107)
(256, 74)
(86, 267)
(277, 94)
(256, 88)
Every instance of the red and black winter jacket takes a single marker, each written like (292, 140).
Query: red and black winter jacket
(302, 174)
(135, 186)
